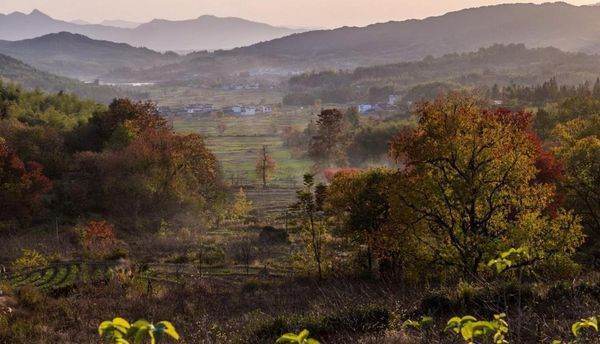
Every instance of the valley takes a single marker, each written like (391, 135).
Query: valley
(227, 180)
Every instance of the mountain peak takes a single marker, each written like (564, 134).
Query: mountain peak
(38, 13)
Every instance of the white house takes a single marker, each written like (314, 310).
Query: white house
(249, 111)
(265, 109)
(392, 99)
(364, 108)
(199, 108)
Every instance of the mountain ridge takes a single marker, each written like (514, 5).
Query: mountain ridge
(566, 27)
(183, 35)
(78, 56)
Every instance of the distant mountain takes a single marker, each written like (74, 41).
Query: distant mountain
(120, 23)
(15, 71)
(80, 22)
(564, 26)
(80, 57)
(203, 33)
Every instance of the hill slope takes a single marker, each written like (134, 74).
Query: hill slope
(501, 65)
(564, 26)
(80, 57)
(15, 71)
(203, 33)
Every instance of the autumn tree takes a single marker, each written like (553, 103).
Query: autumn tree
(98, 238)
(579, 149)
(146, 172)
(467, 186)
(22, 186)
(241, 206)
(360, 201)
(221, 127)
(265, 165)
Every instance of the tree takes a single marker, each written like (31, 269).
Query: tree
(265, 165)
(243, 252)
(360, 201)
(328, 145)
(144, 172)
(468, 186)
(309, 206)
(221, 127)
(22, 186)
(241, 206)
(579, 150)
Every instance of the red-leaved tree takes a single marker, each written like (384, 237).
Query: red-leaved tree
(22, 186)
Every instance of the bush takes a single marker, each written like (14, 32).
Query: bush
(30, 297)
(435, 304)
(99, 239)
(271, 235)
(30, 259)
(253, 285)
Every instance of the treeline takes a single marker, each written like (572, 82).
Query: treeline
(15, 71)
(512, 61)
(343, 138)
(549, 91)
(63, 159)
(469, 183)
(504, 65)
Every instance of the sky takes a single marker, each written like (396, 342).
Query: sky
(295, 13)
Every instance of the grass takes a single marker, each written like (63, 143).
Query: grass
(181, 95)
(238, 146)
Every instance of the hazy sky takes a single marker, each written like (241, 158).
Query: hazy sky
(307, 13)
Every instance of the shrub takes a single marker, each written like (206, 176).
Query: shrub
(272, 235)
(30, 297)
(99, 239)
(120, 331)
(30, 259)
(436, 303)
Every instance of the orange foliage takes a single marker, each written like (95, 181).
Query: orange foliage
(99, 238)
(22, 185)
(331, 173)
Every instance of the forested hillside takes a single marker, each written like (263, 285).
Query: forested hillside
(501, 65)
(560, 25)
(80, 57)
(15, 71)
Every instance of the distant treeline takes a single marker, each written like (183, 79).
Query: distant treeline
(503, 65)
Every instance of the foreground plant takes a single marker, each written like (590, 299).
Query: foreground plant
(590, 323)
(510, 258)
(300, 338)
(424, 322)
(120, 331)
(471, 329)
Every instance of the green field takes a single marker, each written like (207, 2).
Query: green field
(182, 95)
(238, 147)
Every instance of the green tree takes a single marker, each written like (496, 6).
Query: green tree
(309, 207)
(328, 145)
(360, 201)
(579, 150)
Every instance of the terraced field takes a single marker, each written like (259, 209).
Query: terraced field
(238, 147)
(59, 276)
(271, 202)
